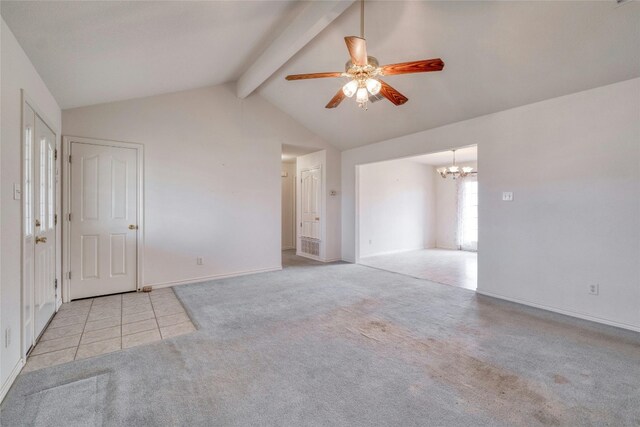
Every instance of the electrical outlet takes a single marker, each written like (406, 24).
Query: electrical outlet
(507, 196)
(199, 261)
(370, 241)
(594, 289)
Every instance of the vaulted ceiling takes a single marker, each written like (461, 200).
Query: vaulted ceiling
(91, 52)
(498, 55)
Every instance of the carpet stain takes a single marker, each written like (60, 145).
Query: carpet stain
(491, 389)
(559, 379)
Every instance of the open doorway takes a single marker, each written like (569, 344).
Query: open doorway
(289, 195)
(419, 216)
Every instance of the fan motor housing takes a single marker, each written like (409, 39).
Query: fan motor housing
(366, 71)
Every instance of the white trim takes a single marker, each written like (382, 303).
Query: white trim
(11, 378)
(397, 251)
(305, 255)
(66, 206)
(561, 311)
(323, 202)
(356, 228)
(213, 277)
(25, 99)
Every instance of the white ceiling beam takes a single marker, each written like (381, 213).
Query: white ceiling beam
(313, 18)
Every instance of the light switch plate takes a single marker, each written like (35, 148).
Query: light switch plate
(507, 196)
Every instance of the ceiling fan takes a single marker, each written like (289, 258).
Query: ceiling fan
(364, 73)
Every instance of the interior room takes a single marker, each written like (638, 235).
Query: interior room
(344, 212)
(418, 216)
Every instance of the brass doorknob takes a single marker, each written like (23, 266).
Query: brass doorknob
(133, 227)
(41, 240)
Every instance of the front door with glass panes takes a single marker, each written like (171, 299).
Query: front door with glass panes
(40, 221)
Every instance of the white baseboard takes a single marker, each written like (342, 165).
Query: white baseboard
(213, 277)
(12, 377)
(562, 311)
(451, 248)
(397, 251)
(317, 258)
(303, 255)
(287, 248)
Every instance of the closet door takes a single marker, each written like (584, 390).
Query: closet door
(310, 193)
(104, 213)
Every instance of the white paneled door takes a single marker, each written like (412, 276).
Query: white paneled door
(104, 214)
(310, 193)
(40, 221)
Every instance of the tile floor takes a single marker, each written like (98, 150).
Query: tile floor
(456, 268)
(91, 327)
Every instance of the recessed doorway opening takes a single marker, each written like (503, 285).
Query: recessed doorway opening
(302, 203)
(418, 216)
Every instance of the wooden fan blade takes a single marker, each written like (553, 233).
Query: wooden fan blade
(412, 67)
(336, 100)
(392, 95)
(312, 76)
(357, 50)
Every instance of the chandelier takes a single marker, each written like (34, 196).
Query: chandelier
(454, 170)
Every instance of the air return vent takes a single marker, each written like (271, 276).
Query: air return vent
(310, 246)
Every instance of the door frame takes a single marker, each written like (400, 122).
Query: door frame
(298, 190)
(26, 99)
(66, 207)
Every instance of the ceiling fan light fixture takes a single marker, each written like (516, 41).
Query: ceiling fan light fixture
(350, 88)
(363, 71)
(362, 96)
(373, 86)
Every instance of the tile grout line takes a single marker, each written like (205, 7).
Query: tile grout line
(155, 317)
(83, 327)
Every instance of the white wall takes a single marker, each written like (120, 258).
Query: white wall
(573, 164)
(396, 207)
(289, 206)
(212, 177)
(447, 210)
(17, 73)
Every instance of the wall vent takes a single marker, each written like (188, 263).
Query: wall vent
(310, 246)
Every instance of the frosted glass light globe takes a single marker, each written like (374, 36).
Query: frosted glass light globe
(350, 88)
